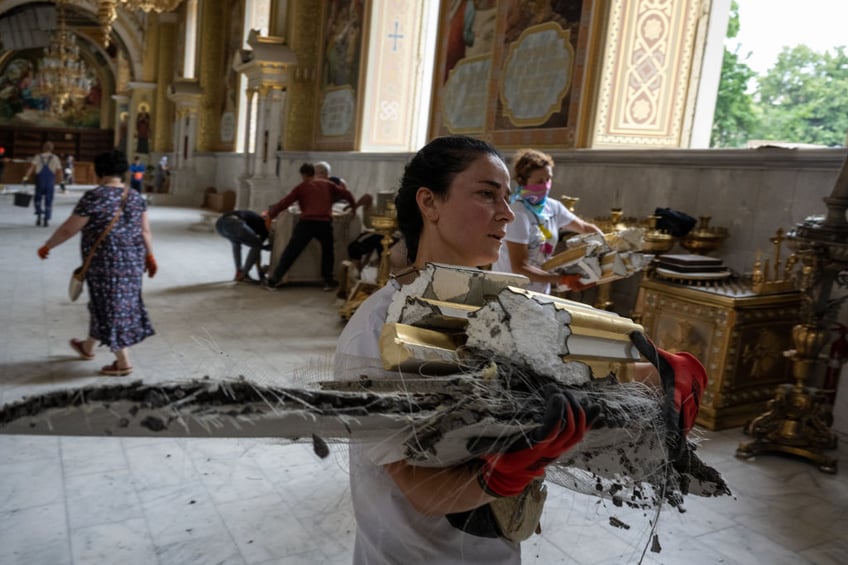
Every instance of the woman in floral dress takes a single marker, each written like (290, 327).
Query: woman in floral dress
(118, 317)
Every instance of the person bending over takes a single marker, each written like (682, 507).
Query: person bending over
(244, 227)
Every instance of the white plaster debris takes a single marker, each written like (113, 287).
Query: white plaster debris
(528, 332)
(452, 284)
(601, 259)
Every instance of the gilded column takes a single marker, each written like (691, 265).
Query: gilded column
(211, 51)
(305, 38)
(164, 111)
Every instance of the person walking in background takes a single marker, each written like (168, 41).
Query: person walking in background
(118, 318)
(161, 174)
(532, 238)
(47, 169)
(68, 172)
(244, 227)
(137, 174)
(315, 198)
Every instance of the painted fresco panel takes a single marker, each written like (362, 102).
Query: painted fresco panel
(525, 89)
(21, 103)
(343, 39)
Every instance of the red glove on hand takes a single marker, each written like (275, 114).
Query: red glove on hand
(573, 282)
(43, 251)
(508, 474)
(150, 265)
(683, 372)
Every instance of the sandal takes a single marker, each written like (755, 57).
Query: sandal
(79, 346)
(114, 371)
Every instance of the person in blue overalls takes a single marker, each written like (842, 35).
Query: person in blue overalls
(47, 168)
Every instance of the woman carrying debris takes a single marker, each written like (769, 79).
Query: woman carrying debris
(118, 317)
(452, 207)
(533, 236)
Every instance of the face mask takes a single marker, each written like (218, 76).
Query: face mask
(535, 194)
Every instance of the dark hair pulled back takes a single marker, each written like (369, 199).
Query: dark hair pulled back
(434, 167)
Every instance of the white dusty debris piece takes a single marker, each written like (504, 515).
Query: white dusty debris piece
(601, 259)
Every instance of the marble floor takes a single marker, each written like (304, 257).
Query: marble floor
(87, 500)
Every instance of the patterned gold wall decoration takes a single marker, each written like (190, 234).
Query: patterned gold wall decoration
(646, 73)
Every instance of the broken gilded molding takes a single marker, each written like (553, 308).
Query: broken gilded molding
(408, 347)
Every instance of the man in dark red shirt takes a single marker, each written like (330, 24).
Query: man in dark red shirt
(315, 197)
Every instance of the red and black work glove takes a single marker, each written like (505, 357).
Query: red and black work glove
(150, 265)
(681, 374)
(564, 424)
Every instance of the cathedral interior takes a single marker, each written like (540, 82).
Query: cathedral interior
(224, 100)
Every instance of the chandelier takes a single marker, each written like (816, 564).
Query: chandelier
(62, 75)
(157, 6)
(107, 12)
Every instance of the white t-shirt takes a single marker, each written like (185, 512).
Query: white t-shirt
(388, 529)
(525, 229)
(49, 160)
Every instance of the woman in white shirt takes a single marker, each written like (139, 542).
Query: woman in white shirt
(452, 207)
(533, 236)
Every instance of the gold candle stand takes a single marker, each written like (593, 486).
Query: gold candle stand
(799, 417)
(384, 224)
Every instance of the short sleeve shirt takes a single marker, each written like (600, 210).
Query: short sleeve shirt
(525, 229)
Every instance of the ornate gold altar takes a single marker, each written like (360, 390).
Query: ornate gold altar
(738, 334)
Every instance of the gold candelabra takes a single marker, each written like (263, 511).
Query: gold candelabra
(704, 239)
(798, 418)
(767, 278)
(386, 225)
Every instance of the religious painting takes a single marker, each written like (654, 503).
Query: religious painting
(142, 129)
(511, 71)
(341, 62)
(25, 102)
(468, 50)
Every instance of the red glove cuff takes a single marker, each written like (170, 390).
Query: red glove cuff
(572, 282)
(690, 381)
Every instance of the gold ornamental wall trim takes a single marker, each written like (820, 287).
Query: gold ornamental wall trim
(647, 72)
